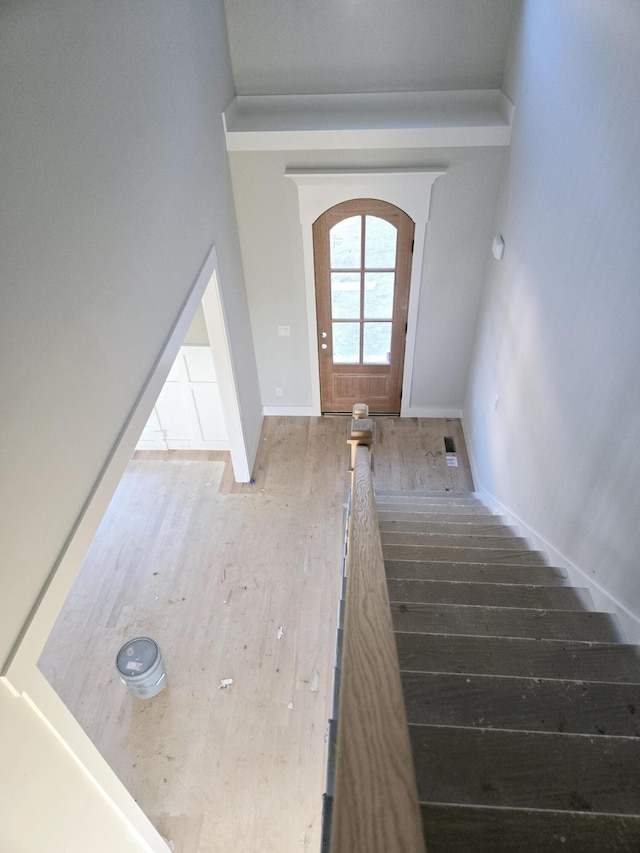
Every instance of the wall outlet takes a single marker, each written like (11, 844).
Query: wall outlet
(279, 392)
(284, 331)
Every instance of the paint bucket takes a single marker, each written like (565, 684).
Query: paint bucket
(140, 666)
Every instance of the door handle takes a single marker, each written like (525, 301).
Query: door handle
(323, 346)
(323, 334)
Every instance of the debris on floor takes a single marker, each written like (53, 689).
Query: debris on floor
(226, 682)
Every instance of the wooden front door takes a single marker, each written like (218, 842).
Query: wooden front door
(362, 256)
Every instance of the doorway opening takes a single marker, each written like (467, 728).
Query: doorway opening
(410, 190)
(188, 414)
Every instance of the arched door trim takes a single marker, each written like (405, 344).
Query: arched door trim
(408, 189)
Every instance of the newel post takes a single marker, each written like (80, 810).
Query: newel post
(362, 431)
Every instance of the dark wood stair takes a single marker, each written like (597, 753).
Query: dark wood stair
(523, 704)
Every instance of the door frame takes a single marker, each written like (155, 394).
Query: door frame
(408, 189)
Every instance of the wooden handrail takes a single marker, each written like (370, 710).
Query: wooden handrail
(375, 805)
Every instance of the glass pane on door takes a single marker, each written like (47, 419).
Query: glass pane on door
(346, 343)
(345, 240)
(345, 296)
(378, 295)
(379, 243)
(376, 344)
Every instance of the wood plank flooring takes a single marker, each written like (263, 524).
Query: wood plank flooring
(212, 570)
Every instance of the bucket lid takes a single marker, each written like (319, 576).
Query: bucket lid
(137, 657)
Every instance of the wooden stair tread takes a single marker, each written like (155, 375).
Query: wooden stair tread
(481, 829)
(428, 499)
(452, 540)
(479, 620)
(527, 769)
(433, 493)
(481, 571)
(431, 505)
(462, 554)
(518, 657)
(442, 515)
(464, 528)
(523, 704)
(495, 594)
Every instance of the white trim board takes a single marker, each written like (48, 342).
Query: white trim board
(431, 412)
(289, 411)
(475, 117)
(408, 189)
(603, 601)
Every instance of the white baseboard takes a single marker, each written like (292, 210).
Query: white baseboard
(603, 601)
(182, 445)
(290, 411)
(198, 445)
(408, 412)
(429, 412)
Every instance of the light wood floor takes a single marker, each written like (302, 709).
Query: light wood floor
(212, 570)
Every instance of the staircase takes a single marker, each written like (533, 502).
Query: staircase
(523, 705)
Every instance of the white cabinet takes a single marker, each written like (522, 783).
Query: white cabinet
(188, 413)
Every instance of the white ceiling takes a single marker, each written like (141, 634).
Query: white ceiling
(341, 46)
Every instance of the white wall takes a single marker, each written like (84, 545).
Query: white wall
(307, 47)
(552, 414)
(115, 184)
(456, 251)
